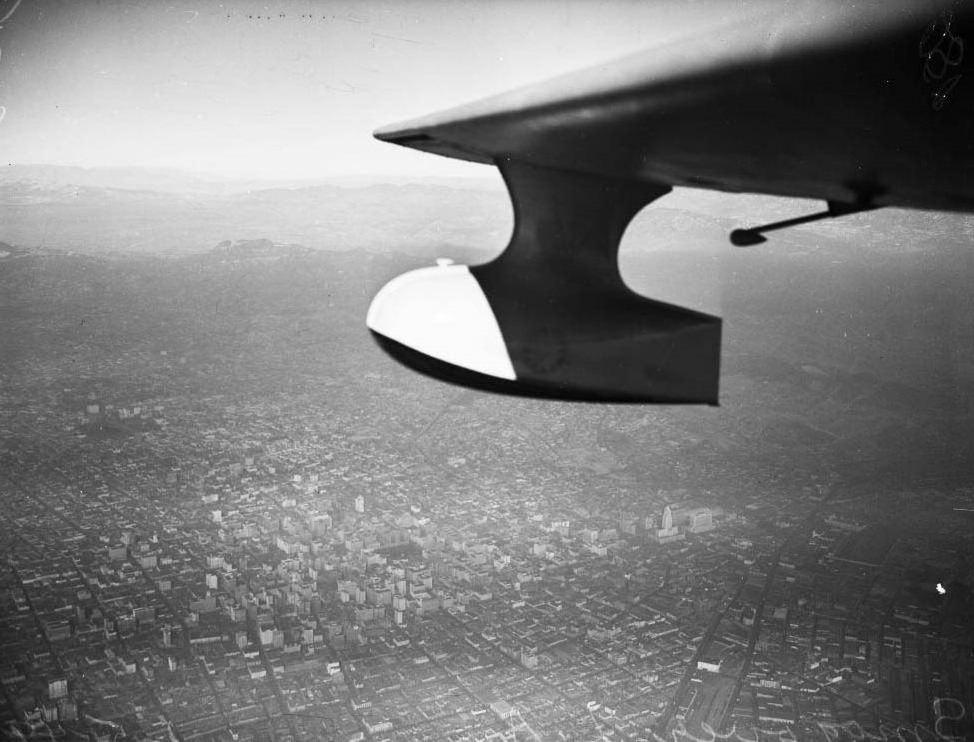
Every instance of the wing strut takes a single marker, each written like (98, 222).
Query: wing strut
(755, 235)
(569, 326)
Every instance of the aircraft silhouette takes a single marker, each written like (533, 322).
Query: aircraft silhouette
(860, 105)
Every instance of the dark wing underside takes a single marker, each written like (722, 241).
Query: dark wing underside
(846, 102)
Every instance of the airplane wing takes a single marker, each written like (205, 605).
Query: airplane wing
(860, 105)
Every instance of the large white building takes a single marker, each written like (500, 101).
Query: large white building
(686, 517)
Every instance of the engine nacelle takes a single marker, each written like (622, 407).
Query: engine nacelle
(551, 316)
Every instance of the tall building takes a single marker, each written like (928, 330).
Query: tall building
(57, 689)
(360, 504)
(667, 518)
(668, 530)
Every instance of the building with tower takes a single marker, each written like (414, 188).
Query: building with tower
(682, 518)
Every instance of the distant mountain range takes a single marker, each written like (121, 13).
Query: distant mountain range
(126, 210)
(136, 210)
(179, 181)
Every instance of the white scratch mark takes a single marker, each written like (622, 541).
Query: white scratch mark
(9, 13)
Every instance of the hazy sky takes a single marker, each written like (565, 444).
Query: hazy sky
(290, 88)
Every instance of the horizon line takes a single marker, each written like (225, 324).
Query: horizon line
(241, 176)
